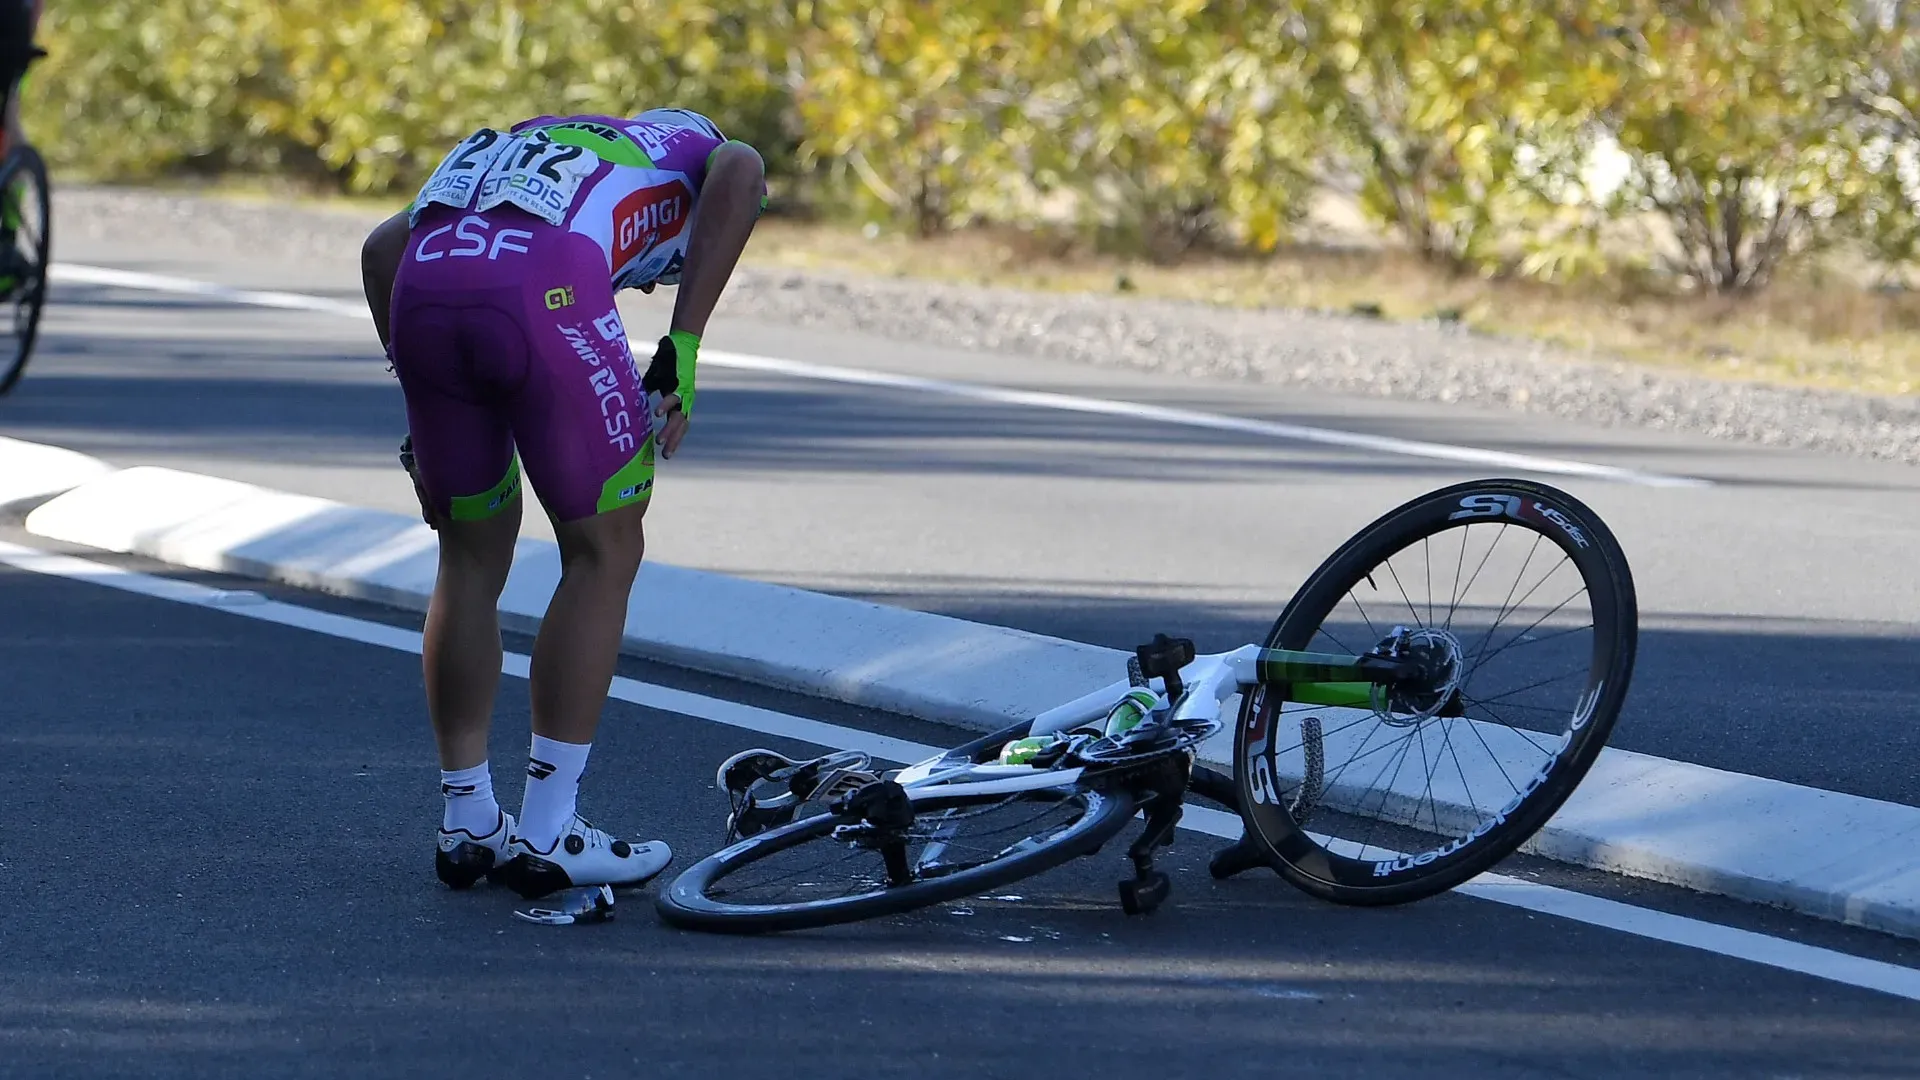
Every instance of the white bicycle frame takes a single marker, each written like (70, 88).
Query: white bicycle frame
(1208, 681)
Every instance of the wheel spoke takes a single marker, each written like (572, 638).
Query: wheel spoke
(1515, 640)
(1524, 733)
(1493, 757)
(1367, 718)
(1379, 815)
(1403, 591)
(1497, 537)
(1373, 632)
(1426, 553)
(1460, 564)
(1432, 804)
(1532, 686)
(1465, 784)
(1536, 588)
(1506, 602)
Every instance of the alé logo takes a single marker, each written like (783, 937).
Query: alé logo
(648, 218)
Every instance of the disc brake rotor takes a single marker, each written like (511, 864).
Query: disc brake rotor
(1438, 657)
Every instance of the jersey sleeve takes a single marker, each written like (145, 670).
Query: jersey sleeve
(682, 141)
(678, 140)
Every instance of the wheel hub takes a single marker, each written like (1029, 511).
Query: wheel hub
(1439, 664)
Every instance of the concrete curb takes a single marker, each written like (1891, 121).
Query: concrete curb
(30, 471)
(1823, 853)
(827, 646)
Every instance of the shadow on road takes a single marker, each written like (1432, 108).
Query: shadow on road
(281, 918)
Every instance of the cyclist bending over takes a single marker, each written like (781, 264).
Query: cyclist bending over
(493, 294)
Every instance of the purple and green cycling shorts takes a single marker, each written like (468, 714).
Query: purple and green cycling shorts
(509, 349)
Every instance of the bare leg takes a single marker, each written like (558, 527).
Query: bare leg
(579, 640)
(573, 661)
(461, 651)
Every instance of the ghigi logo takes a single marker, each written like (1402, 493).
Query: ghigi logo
(648, 218)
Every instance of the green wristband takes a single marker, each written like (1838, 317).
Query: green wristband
(686, 348)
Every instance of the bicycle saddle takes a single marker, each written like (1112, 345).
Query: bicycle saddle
(765, 789)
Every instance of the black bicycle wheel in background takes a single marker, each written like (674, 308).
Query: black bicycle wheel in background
(1522, 597)
(798, 876)
(26, 236)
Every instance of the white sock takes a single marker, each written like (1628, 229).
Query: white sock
(553, 780)
(470, 802)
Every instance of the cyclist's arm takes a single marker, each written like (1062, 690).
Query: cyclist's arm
(379, 262)
(731, 196)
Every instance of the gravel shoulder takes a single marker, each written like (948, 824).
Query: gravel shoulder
(1426, 362)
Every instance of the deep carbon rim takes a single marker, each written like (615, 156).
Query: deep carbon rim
(1535, 593)
(25, 219)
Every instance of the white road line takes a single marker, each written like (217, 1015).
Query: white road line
(1387, 444)
(1662, 926)
(133, 279)
(1158, 414)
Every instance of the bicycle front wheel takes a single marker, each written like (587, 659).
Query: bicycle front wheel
(799, 876)
(26, 239)
(1517, 599)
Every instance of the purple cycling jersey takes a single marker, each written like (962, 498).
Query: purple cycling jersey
(629, 185)
(505, 332)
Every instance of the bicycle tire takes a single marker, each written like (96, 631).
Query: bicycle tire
(26, 162)
(1310, 862)
(686, 902)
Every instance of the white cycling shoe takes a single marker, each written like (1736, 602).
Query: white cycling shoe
(462, 858)
(583, 855)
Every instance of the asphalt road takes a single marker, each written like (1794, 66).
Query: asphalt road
(217, 863)
(217, 849)
(1778, 607)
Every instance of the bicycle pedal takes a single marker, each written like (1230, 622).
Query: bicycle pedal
(1244, 855)
(1141, 895)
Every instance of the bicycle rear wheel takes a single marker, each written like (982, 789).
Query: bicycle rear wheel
(1521, 599)
(26, 238)
(798, 876)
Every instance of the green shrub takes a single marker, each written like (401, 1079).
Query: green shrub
(1465, 126)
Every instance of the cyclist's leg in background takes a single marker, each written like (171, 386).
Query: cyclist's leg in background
(458, 357)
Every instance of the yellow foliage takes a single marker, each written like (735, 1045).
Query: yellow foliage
(1153, 125)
